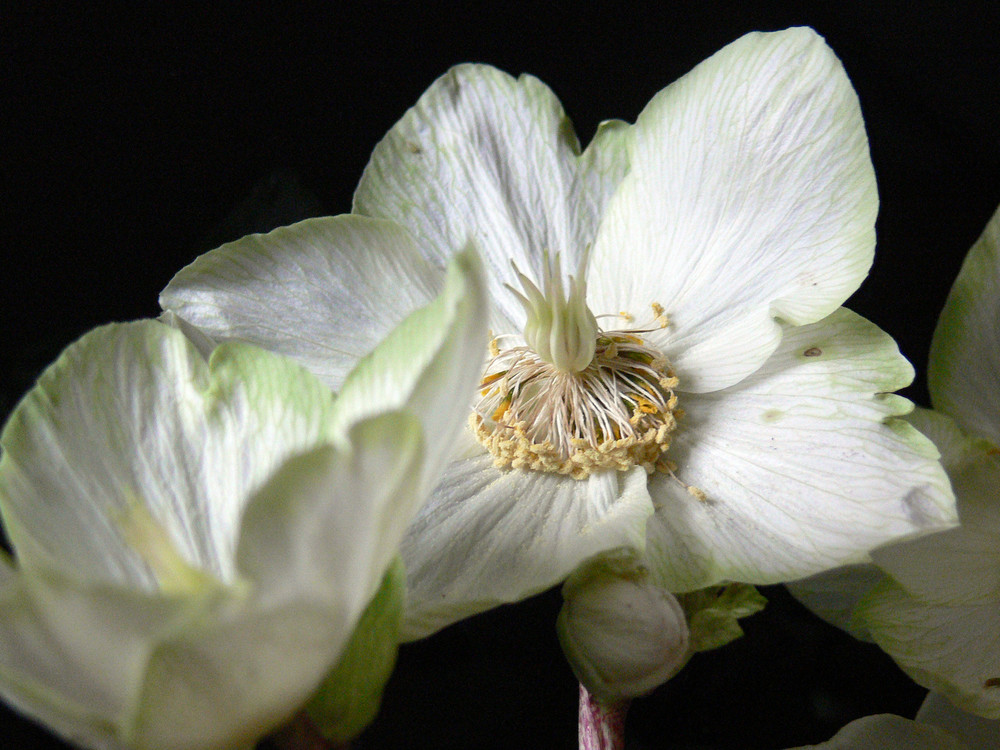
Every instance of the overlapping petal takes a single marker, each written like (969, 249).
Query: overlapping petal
(323, 291)
(750, 201)
(976, 732)
(954, 649)
(486, 157)
(801, 467)
(429, 366)
(964, 369)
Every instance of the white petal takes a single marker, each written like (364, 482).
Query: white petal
(37, 679)
(323, 291)
(486, 157)
(229, 681)
(429, 365)
(73, 655)
(802, 465)
(487, 537)
(889, 732)
(976, 732)
(131, 416)
(964, 369)
(751, 199)
(834, 595)
(952, 649)
(960, 565)
(326, 525)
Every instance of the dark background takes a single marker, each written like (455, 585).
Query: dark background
(135, 139)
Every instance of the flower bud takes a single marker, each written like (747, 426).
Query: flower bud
(623, 634)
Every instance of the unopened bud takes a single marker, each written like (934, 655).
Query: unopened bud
(622, 634)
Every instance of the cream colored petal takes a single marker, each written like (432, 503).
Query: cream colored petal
(799, 468)
(493, 159)
(750, 201)
(489, 536)
(323, 291)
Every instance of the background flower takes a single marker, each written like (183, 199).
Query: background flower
(195, 541)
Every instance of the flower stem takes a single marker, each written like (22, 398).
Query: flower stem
(601, 726)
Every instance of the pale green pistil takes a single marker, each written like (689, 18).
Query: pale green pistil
(560, 327)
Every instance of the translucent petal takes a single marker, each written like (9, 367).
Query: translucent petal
(488, 537)
(323, 291)
(327, 524)
(800, 467)
(886, 732)
(959, 565)
(429, 365)
(493, 159)
(131, 416)
(976, 732)
(750, 201)
(954, 649)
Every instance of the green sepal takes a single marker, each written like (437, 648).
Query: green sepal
(350, 695)
(712, 613)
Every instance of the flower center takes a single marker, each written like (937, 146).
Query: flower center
(575, 399)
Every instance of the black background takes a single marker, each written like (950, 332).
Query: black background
(135, 138)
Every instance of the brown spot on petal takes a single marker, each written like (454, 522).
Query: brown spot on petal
(812, 351)
(993, 682)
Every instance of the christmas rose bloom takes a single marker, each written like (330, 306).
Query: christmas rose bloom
(671, 370)
(196, 539)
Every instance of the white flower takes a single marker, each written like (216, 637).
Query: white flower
(938, 615)
(706, 251)
(195, 540)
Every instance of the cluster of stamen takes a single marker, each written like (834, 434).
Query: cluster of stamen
(616, 412)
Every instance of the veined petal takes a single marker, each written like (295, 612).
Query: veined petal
(327, 524)
(954, 649)
(488, 537)
(429, 365)
(800, 467)
(959, 565)
(323, 291)
(887, 731)
(131, 431)
(964, 368)
(750, 201)
(486, 157)
(938, 711)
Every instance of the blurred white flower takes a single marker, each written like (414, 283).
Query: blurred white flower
(195, 540)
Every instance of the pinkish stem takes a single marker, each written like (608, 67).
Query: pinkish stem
(602, 726)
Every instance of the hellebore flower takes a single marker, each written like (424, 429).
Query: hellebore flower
(195, 540)
(936, 613)
(670, 367)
